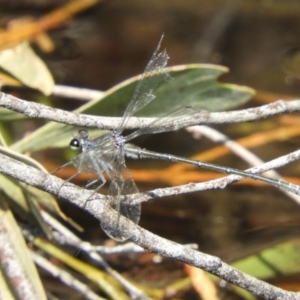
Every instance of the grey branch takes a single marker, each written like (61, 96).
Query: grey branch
(16, 276)
(35, 110)
(222, 183)
(149, 241)
(76, 93)
(65, 277)
(238, 150)
(63, 235)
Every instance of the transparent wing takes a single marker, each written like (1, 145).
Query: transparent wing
(122, 184)
(171, 121)
(154, 73)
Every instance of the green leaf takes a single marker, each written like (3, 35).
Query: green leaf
(15, 196)
(27, 67)
(24, 198)
(12, 237)
(194, 85)
(6, 292)
(21, 157)
(9, 115)
(283, 259)
(22, 201)
(98, 277)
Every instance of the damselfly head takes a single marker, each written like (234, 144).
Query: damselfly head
(79, 140)
(75, 144)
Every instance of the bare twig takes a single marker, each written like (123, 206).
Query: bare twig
(75, 92)
(147, 240)
(65, 277)
(97, 205)
(238, 150)
(223, 182)
(69, 237)
(35, 110)
(16, 275)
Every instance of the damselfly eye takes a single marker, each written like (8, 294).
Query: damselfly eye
(74, 144)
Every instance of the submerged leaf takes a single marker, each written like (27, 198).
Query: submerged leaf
(281, 259)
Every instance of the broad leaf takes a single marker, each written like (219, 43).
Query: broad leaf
(12, 237)
(194, 85)
(27, 67)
